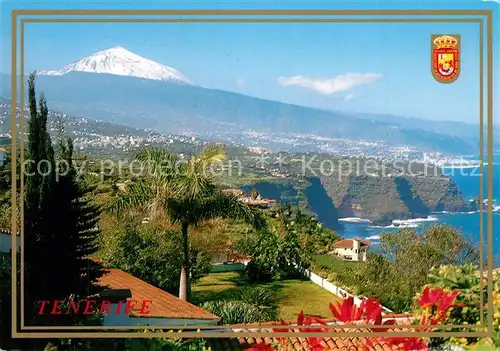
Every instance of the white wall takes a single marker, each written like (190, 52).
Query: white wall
(355, 250)
(344, 251)
(363, 254)
(359, 256)
(325, 284)
(123, 319)
(219, 257)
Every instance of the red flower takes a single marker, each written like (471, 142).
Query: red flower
(281, 330)
(407, 344)
(430, 297)
(310, 321)
(317, 347)
(378, 321)
(346, 311)
(372, 309)
(446, 301)
(300, 318)
(437, 297)
(314, 342)
(415, 344)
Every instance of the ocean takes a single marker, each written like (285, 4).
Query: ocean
(468, 181)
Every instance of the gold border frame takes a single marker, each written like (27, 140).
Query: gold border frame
(14, 24)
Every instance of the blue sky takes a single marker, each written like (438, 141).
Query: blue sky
(370, 68)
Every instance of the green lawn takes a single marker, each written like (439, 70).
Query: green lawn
(331, 264)
(294, 295)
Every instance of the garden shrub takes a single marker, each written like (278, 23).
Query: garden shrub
(248, 305)
(259, 271)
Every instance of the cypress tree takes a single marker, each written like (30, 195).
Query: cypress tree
(77, 226)
(39, 180)
(60, 219)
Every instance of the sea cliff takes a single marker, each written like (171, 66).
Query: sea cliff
(378, 199)
(382, 200)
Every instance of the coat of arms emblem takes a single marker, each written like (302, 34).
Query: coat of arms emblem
(445, 58)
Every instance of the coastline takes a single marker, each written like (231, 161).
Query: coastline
(467, 222)
(396, 223)
(408, 223)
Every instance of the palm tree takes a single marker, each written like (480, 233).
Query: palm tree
(148, 193)
(183, 193)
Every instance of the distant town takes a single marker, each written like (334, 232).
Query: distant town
(91, 134)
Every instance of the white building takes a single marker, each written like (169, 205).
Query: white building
(352, 249)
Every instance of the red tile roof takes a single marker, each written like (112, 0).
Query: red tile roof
(349, 243)
(401, 319)
(239, 257)
(164, 305)
(331, 343)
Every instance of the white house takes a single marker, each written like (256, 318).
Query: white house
(226, 255)
(220, 256)
(352, 249)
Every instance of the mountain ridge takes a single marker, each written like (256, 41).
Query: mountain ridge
(120, 61)
(169, 107)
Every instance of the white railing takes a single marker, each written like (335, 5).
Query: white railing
(336, 290)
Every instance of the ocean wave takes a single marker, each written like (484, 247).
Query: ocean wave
(396, 223)
(392, 226)
(381, 226)
(408, 225)
(414, 220)
(496, 208)
(493, 203)
(456, 213)
(373, 237)
(485, 201)
(354, 220)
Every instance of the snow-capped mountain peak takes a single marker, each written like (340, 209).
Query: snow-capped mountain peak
(119, 61)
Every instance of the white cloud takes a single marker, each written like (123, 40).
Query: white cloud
(349, 97)
(331, 85)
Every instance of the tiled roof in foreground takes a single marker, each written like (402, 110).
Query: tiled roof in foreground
(164, 305)
(330, 343)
